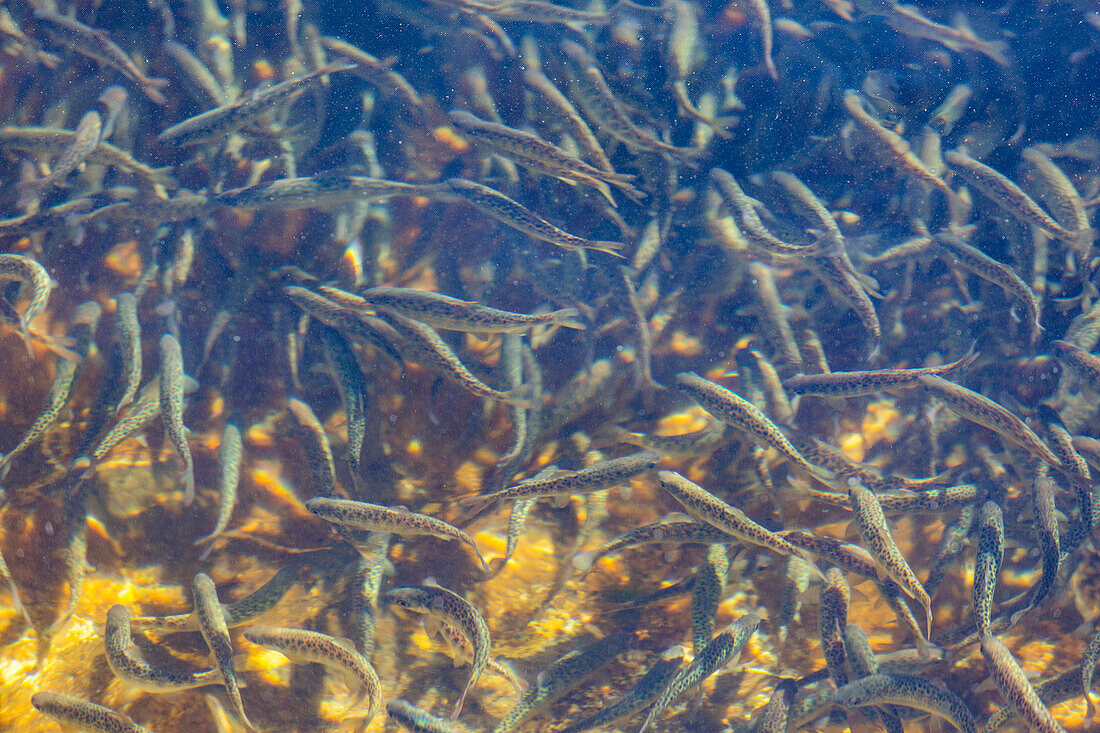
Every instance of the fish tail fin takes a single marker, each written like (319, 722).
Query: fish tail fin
(522, 396)
(567, 317)
(188, 484)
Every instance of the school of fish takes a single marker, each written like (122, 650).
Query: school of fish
(520, 365)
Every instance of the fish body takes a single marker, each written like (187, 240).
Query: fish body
(671, 532)
(564, 675)
(835, 599)
(496, 205)
(908, 691)
(451, 608)
(991, 542)
(238, 613)
(316, 446)
(710, 585)
(738, 412)
(858, 383)
(895, 147)
(84, 325)
(219, 122)
(230, 454)
(1015, 687)
(212, 625)
(706, 507)
(880, 543)
(303, 646)
(640, 695)
(83, 714)
(988, 269)
(329, 191)
(97, 44)
(129, 664)
(1006, 194)
(726, 645)
(415, 720)
(34, 278)
(535, 153)
(353, 391)
(987, 413)
(443, 311)
(433, 352)
(597, 477)
(171, 404)
(128, 333)
(361, 516)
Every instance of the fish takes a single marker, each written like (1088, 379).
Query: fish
(362, 590)
(1088, 668)
(1056, 189)
(84, 323)
(1015, 687)
(991, 543)
(987, 413)
(496, 205)
(907, 691)
(638, 697)
(579, 130)
(596, 477)
(83, 714)
(776, 715)
(859, 383)
(446, 606)
(315, 445)
(725, 645)
(796, 581)
(893, 146)
(34, 278)
(325, 191)
(1007, 195)
(443, 311)
(128, 662)
(909, 21)
(238, 613)
(1049, 541)
(94, 127)
(213, 626)
(96, 44)
(951, 109)
(303, 646)
(1086, 364)
(414, 719)
(128, 338)
(988, 269)
(200, 82)
(536, 154)
(221, 121)
(670, 531)
(361, 516)
(739, 413)
(171, 404)
(563, 676)
(230, 455)
(710, 585)
(759, 17)
(598, 101)
(431, 351)
(348, 376)
(705, 507)
(879, 541)
(836, 597)
(744, 208)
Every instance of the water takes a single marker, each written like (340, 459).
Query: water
(826, 245)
